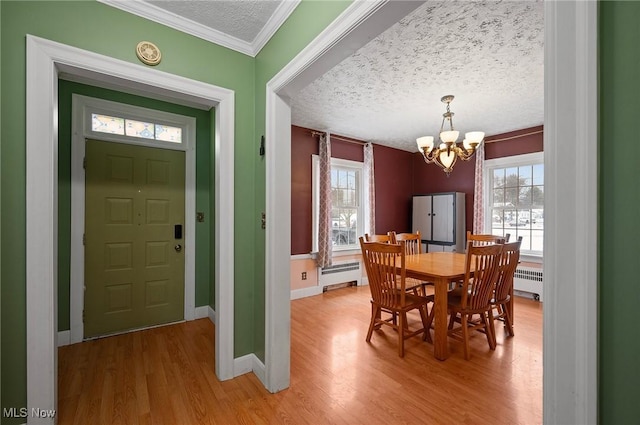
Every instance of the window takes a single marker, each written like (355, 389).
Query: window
(133, 128)
(347, 210)
(514, 199)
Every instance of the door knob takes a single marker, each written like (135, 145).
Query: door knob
(178, 248)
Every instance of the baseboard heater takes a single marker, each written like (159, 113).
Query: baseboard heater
(338, 275)
(528, 281)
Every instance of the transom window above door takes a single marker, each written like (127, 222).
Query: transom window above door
(123, 123)
(134, 128)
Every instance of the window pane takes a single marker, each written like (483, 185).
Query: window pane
(511, 179)
(497, 217)
(107, 124)
(511, 196)
(168, 134)
(141, 129)
(537, 195)
(518, 209)
(498, 178)
(498, 197)
(538, 174)
(537, 218)
(345, 196)
(524, 200)
(525, 175)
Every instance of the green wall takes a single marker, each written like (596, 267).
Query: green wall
(304, 24)
(83, 24)
(619, 292)
(204, 232)
(86, 25)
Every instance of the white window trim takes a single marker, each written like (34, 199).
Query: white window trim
(315, 199)
(505, 162)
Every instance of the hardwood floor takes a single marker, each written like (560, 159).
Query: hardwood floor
(166, 375)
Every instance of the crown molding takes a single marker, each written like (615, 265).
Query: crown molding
(170, 19)
(282, 12)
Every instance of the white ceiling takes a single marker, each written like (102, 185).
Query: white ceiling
(488, 54)
(241, 25)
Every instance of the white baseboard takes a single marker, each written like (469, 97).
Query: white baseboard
(306, 292)
(212, 315)
(64, 338)
(201, 312)
(249, 363)
(260, 370)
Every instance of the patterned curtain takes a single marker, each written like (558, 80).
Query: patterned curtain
(325, 242)
(478, 207)
(369, 191)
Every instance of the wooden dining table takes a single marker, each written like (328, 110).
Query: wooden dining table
(440, 268)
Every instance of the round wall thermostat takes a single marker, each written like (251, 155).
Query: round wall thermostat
(148, 53)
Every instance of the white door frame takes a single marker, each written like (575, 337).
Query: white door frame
(570, 310)
(45, 60)
(80, 131)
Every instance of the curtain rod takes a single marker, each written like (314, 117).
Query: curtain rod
(320, 133)
(514, 137)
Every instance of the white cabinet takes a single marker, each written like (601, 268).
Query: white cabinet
(440, 218)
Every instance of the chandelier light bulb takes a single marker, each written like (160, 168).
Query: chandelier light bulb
(448, 151)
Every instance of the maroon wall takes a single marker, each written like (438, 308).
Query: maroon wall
(393, 170)
(528, 140)
(429, 178)
(399, 175)
(393, 175)
(303, 145)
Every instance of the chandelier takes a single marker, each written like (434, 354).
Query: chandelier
(448, 151)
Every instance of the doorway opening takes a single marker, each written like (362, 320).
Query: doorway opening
(46, 62)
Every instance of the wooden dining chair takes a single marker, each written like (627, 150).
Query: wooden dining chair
(480, 240)
(388, 293)
(507, 236)
(412, 245)
(503, 295)
(482, 268)
(378, 238)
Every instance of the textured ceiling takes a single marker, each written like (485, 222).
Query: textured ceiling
(488, 54)
(241, 19)
(242, 25)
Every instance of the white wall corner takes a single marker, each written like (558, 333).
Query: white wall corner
(260, 370)
(64, 338)
(250, 363)
(242, 365)
(201, 312)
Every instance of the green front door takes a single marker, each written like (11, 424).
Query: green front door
(134, 237)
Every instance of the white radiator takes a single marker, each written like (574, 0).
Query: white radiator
(527, 279)
(342, 272)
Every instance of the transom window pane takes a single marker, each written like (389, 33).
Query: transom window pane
(134, 128)
(107, 124)
(168, 134)
(141, 129)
